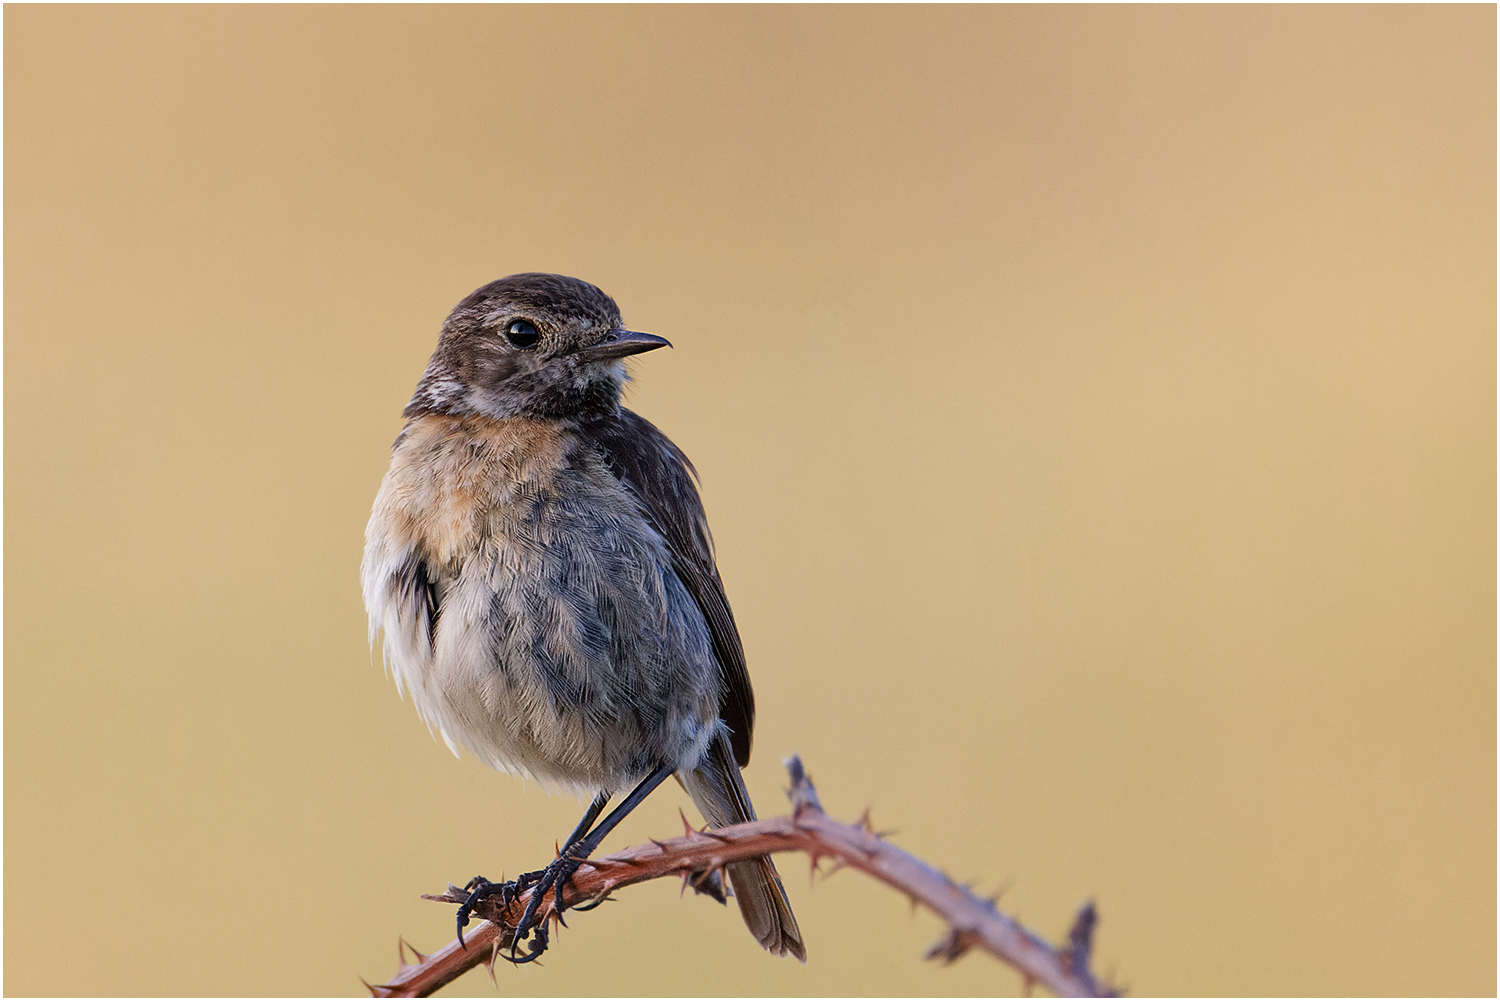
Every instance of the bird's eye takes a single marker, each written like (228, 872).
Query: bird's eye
(522, 334)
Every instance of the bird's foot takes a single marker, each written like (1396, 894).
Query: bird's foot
(555, 877)
(480, 888)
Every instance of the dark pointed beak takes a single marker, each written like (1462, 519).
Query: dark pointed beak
(619, 343)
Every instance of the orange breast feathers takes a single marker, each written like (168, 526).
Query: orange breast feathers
(448, 473)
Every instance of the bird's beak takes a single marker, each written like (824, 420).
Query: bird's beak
(619, 343)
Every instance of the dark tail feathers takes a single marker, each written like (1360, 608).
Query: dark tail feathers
(719, 793)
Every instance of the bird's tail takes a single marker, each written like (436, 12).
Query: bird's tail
(719, 793)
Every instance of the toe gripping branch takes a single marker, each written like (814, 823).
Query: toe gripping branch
(579, 846)
(554, 878)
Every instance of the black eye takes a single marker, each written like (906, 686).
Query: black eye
(522, 334)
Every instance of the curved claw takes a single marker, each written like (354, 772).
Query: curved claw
(538, 946)
(555, 877)
(478, 888)
(580, 908)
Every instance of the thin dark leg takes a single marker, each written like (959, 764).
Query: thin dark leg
(481, 888)
(556, 875)
(595, 808)
(586, 846)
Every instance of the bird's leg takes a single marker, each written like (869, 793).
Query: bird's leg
(479, 888)
(556, 875)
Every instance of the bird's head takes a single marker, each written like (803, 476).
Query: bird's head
(530, 345)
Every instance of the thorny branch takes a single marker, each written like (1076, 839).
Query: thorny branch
(971, 921)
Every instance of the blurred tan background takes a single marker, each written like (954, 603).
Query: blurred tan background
(1095, 411)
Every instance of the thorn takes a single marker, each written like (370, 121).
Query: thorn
(489, 964)
(402, 945)
(659, 844)
(802, 794)
(707, 882)
(687, 829)
(863, 823)
(951, 946)
(721, 839)
(1075, 954)
(494, 954)
(718, 887)
(1028, 984)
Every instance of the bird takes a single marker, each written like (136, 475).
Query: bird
(539, 569)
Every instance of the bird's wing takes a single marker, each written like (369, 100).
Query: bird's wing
(661, 479)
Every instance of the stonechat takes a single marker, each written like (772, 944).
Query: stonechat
(540, 567)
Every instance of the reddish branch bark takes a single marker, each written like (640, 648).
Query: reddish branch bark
(972, 922)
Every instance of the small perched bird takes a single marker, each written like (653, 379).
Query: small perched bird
(540, 566)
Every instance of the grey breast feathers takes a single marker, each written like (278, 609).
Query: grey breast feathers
(533, 610)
